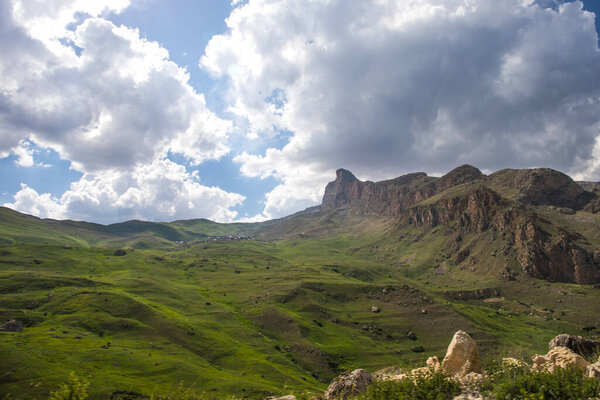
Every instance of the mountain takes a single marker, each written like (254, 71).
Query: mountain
(529, 209)
(381, 273)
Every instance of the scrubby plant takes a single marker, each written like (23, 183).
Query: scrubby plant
(434, 386)
(564, 384)
(73, 389)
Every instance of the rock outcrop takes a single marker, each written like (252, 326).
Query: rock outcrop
(11, 326)
(593, 370)
(465, 201)
(392, 196)
(462, 365)
(580, 345)
(348, 384)
(461, 357)
(559, 357)
(543, 186)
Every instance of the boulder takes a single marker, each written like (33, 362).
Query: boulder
(288, 397)
(11, 326)
(433, 363)
(348, 384)
(461, 356)
(120, 252)
(375, 309)
(559, 357)
(578, 344)
(593, 370)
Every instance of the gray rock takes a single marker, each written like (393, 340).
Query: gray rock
(11, 326)
(578, 344)
(348, 384)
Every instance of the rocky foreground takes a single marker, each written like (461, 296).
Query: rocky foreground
(462, 365)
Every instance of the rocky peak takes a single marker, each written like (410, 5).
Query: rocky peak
(463, 174)
(341, 191)
(344, 176)
(543, 186)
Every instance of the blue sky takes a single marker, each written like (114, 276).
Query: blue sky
(160, 110)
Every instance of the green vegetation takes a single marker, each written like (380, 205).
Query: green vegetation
(435, 386)
(74, 389)
(282, 310)
(505, 383)
(565, 384)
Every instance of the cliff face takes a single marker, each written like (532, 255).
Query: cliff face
(465, 201)
(392, 196)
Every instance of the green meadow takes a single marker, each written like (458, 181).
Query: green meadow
(277, 308)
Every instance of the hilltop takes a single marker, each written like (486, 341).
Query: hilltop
(380, 274)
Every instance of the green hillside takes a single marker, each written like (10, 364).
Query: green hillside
(250, 310)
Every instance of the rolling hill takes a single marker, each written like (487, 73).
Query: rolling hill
(382, 273)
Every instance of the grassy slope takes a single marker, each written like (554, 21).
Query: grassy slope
(278, 316)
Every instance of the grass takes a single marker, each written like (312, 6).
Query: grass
(283, 313)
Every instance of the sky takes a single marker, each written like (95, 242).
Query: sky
(160, 110)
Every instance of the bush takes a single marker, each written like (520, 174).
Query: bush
(435, 386)
(564, 384)
(74, 389)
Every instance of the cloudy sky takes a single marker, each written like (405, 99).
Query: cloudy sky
(160, 110)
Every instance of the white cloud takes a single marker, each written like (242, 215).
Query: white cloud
(384, 87)
(98, 94)
(114, 105)
(160, 191)
(41, 205)
(24, 154)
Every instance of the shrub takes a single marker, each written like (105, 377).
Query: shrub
(564, 384)
(435, 386)
(74, 389)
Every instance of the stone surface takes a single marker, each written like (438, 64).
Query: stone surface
(593, 370)
(433, 363)
(543, 186)
(478, 208)
(461, 357)
(559, 357)
(11, 326)
(348, 384)
(580, 345)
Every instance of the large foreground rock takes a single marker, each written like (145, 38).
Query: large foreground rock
(11, 326)
(348, 384)
(578, 344)
(559, 357)
(462, 357)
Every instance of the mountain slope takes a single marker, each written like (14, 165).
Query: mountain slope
(283, 306)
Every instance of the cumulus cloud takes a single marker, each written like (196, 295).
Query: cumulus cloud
(113, 104)
(385, 87)
(160, 191)
(119, 102)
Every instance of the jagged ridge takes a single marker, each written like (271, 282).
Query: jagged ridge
(470, 202)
